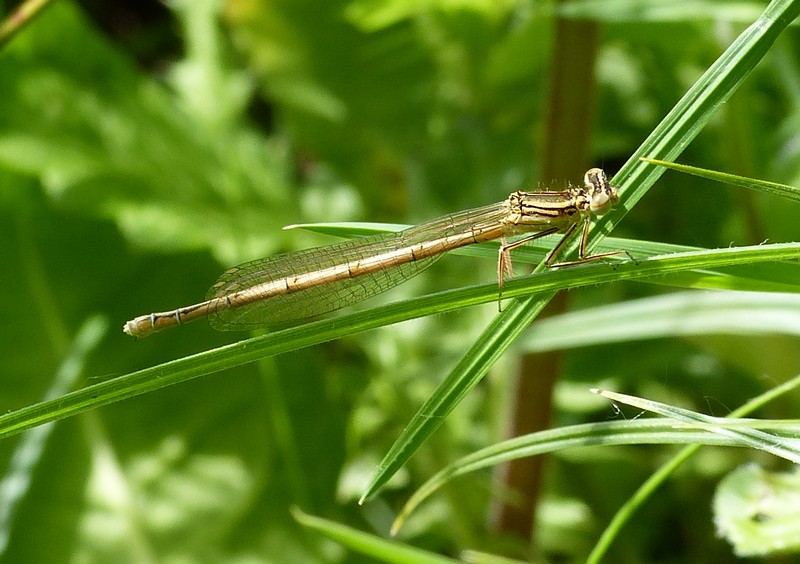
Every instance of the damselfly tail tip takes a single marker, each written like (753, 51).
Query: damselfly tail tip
(139, 327)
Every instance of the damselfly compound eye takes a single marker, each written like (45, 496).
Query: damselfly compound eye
(602, 195)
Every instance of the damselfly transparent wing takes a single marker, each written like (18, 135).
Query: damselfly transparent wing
(324, 298)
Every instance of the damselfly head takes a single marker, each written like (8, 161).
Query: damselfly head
(602, 195)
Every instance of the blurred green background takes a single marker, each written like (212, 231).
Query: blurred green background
(146, 147)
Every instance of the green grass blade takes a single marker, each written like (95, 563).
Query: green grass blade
(28, 453)
(645, 431)
(674, 315)
(634, 179)
(504, 329)
(702, 430)
(492, 343)
(652, 484)
(369, 545)
(773, 188)
(753, 438)
(508, 325)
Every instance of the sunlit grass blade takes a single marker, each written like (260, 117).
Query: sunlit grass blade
(250, 350)
(28, 453)
(503, 330)
(553, 440)
(773, 188)
(367, 544)
(21, 16)
(698, 431)
(679, 314)
(506, 327)
(753, 438)
(686, 119)
(661, 11)
(669, 138)
(648, 488)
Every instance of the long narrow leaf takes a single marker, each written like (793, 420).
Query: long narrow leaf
(768, 442)
(256, 348)
(666, 142)
(773, 188)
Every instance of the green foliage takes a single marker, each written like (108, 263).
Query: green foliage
(126, 189)
(753, 512)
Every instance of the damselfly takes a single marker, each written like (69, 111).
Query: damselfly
(293, 286)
